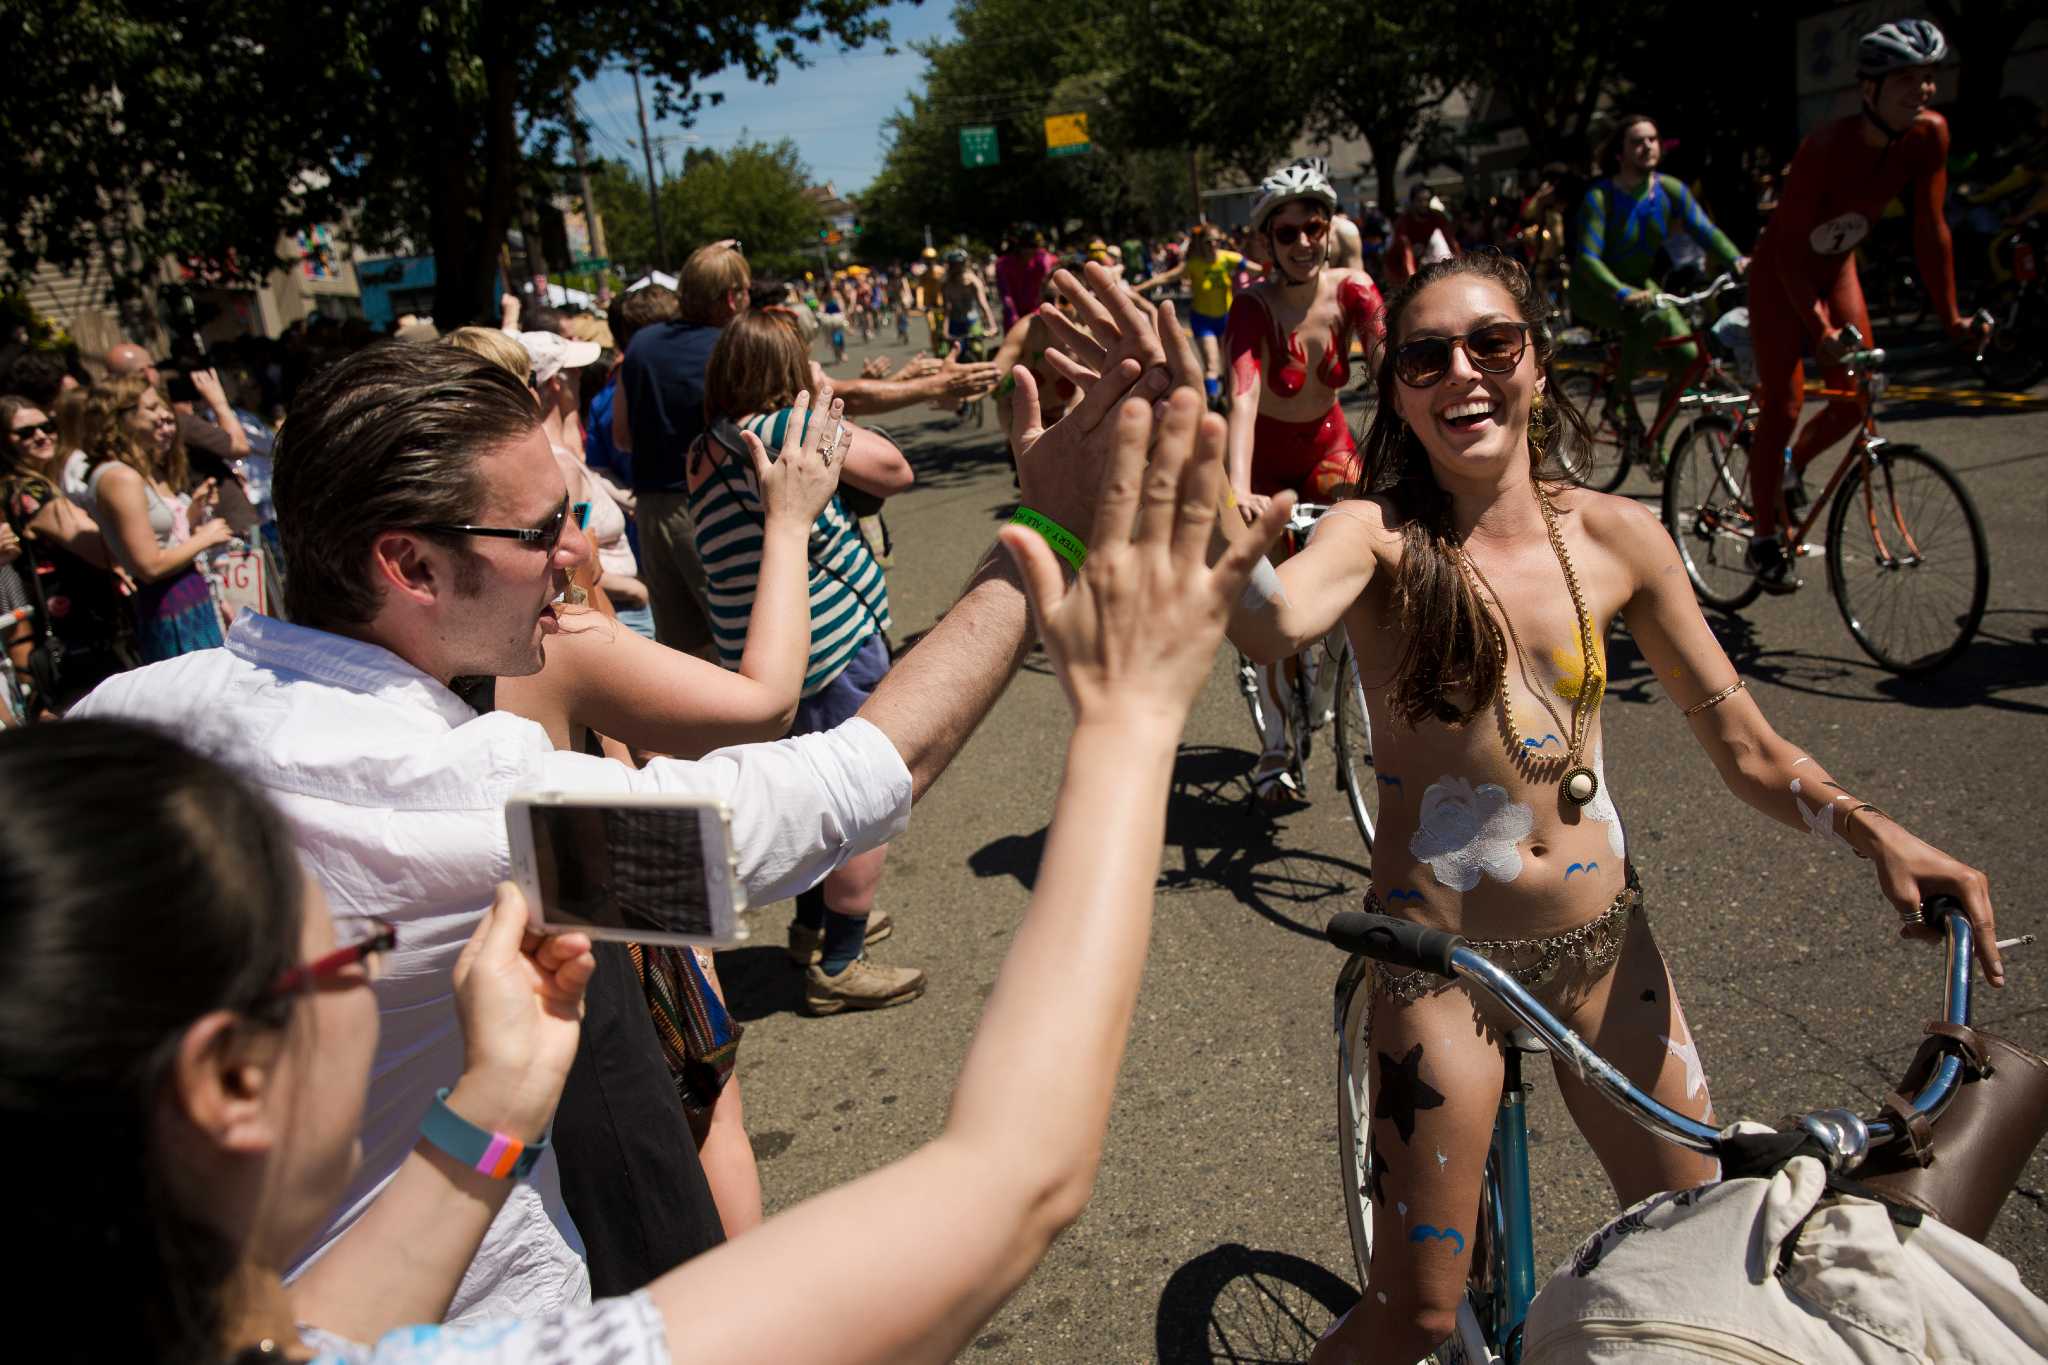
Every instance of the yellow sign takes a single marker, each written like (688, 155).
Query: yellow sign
(1066, 130)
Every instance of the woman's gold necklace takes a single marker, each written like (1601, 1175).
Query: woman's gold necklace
(1579, 785)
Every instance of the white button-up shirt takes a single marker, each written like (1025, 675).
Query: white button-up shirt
(396, 790)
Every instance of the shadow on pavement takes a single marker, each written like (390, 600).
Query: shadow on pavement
(2009, 653)
(759, 980)
(1233, 1303)
(1217, 838)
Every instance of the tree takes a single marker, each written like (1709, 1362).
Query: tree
(1549, 65)
(1387, 79)
(755, 193)
(621, 197)
(209, 127)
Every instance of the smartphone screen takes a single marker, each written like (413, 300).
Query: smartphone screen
(636, 869)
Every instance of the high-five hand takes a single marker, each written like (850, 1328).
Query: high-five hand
(1134, 637)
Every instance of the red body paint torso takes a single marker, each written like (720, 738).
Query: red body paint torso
(1256, 344)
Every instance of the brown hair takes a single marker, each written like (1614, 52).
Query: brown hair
(631, 311)
(707, 282)
(107, 437)
(69, 413)
(759, 365)
(1450, 648)
(385, 439)
(1608, 156)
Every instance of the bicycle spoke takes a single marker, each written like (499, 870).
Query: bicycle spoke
(1907, 562)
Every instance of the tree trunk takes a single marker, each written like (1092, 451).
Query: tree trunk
(467, 221)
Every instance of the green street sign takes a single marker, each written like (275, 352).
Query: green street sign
(593, 263)
(1071, 149)
(978, 145)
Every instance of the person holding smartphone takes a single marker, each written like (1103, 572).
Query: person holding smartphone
(209, 1113)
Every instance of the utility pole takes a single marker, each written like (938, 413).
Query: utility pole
(590, 213)
(653, 189)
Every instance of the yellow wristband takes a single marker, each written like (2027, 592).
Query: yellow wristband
(1064, 543)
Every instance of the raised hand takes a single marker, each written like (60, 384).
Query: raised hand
(1110, 326)
(1133, 638)
(520, 999)
(799, 482)
(209, 387)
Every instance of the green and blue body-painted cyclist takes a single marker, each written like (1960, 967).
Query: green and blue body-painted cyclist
(1625, 219)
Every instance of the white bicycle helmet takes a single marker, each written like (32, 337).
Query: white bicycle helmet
(1306, 178)
(1897, 47)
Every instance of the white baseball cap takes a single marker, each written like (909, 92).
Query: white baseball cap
(552, 354)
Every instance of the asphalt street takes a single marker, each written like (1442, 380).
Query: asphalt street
(1216, 1230)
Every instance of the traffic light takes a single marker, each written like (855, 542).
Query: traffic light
(824, 234)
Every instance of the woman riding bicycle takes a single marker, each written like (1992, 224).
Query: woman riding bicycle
(1289, 343)
(1477, 588)
(1625, 221)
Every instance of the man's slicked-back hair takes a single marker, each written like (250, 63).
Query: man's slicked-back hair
(385, 440)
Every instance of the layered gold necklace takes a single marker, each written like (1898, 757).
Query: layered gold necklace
(1578, 784)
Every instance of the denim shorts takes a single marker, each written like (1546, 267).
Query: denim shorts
(834, 704)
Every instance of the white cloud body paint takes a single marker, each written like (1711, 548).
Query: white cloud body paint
(1601, 807)
(1262, 593)
(1465, 833)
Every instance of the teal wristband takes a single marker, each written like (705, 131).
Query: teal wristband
(497, 1155)
(1064, 543)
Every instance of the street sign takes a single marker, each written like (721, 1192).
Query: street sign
(978, 145)
(1066, 134)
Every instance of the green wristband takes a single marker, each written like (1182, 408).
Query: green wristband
(1064, 543)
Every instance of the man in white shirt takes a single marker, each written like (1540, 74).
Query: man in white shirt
(426, 536)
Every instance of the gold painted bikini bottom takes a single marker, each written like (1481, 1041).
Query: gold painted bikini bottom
(1592, 948)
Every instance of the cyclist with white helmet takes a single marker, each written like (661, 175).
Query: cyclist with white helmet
(1288, 345)
(1803, 288)
(966, 300)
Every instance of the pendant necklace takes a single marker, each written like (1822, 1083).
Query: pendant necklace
(1579, 785)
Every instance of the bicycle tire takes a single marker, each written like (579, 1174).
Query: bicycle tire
(1603, 464)
(1354, 1160)
(1357, 777)
(1708, 523)
(2016, 357)
(1923, 497)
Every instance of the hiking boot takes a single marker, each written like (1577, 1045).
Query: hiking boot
(1765, 557)
(807, 945)
(864, 985)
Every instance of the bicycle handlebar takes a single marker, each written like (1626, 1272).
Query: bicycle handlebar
(1399, 943)
(1713, 291)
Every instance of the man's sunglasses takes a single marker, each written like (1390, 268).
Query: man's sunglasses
(34, 430)
(1287, 234)
(547, 535)
(364, 939)
(1495, 348)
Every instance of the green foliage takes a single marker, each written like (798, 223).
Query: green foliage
(754, 193)
(203, 129)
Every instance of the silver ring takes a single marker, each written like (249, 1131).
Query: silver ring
(1915, 916)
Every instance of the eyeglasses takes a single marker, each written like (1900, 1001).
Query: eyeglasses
(29, 433)
(1495, 348)
(1287, 234)
(547, 535)
(364, 939)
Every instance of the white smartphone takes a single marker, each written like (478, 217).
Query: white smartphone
(634, 869)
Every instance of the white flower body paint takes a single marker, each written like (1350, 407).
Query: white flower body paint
(1464, 833)
(1601, 807)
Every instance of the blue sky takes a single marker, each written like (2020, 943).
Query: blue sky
(832, 110)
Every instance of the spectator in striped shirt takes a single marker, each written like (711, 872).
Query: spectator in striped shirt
(758, 367)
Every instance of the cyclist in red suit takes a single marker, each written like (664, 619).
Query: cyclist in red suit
(1804, 288)
(1414, 242)
(1288, 344)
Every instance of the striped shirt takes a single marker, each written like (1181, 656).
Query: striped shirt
(849, 595)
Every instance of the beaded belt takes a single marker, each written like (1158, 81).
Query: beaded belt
(1594, 945)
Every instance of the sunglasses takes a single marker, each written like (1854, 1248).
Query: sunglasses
(29, 433)
(547, 535)
(364, 939)
(1495, 348)
(1287, 234)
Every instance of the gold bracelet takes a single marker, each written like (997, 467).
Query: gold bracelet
(1724, 694)
(1855, 811)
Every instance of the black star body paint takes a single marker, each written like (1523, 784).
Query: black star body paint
(1403, 1091)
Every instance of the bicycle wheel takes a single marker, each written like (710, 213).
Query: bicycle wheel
(1356, 775)
(1354, 1167)
(1602, 465)
(1706, 511)
(1907, 560)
